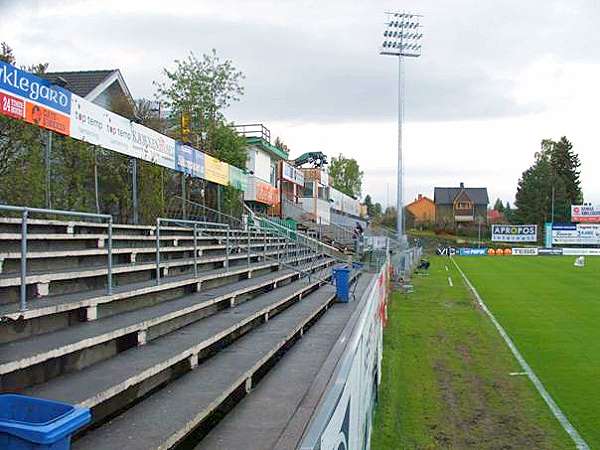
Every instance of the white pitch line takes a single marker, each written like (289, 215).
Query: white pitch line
(446, 268)
(515, 374)
(560, 416)
(450, 282)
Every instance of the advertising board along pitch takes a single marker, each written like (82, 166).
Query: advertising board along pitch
(585, 213)
(514, 233)
(27, 97)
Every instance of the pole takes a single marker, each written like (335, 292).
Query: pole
(183, 201)
(552, 218)
(23, 291)
(96, 180)
(479, 234)
(134, 189)
(47, 154)
(399, 218)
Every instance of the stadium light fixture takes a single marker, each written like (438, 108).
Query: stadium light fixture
(401, 38)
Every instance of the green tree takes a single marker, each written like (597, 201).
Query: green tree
(345, 175)
(565, 166)
(499, 206)
(200, 89)
(281, 145)
(534, 193)
(373, 209)
(230, 146)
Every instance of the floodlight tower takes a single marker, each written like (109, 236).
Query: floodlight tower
(401, 37)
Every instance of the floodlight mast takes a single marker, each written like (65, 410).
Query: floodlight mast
(402, 36)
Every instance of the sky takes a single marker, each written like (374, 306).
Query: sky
(495, 78)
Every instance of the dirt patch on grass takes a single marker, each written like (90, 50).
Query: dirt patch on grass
(480, 414)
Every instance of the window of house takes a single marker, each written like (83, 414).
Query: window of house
(308, 188)
(463, 205)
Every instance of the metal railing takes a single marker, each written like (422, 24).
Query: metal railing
(190, 210)
(25, 211)
(195, 226)
(257, 130)
(197, 210)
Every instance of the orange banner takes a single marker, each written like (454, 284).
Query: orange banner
(265, 193)
(46, 118)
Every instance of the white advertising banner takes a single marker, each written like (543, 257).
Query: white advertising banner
(343, 419)
(153, 146)
(98, 126)
(525, 251)
(514, 233)
(585, 213)
(580, 234)
(581, 251)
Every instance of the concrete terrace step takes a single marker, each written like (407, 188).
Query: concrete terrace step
(9, 280)
(169, 415)
(90, 299)
(28, 352)
(90, 387)
(274, 414)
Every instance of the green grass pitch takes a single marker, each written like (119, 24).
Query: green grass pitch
(551, 310)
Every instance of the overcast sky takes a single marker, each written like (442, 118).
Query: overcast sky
(495, 77)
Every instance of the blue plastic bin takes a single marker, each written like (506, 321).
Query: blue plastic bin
(341, 277)
(28, 423)
(357, 265)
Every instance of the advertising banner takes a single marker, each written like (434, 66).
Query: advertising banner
(98, 126)
(153, 146)
(47, 118)
(579, 234)
(343, 420)
(514, 233)
(215, 170)
(445, 251)
(32, 88)
(189, 160)
(585, 213)
(265, 193)
(550, 251)
(524, 251)
(37, 101)
(581, 251)
(12, 106)
(472, 252)
(238, 178)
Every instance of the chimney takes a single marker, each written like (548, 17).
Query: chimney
(462, 185)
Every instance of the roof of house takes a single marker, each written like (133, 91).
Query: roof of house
(80, 82)
(446, 195)
(421, 198)
(492, 214)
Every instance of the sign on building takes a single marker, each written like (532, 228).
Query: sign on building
(514, 233)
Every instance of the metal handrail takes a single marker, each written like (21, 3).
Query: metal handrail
(219, 214)
(25, 211)
(194, 226)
